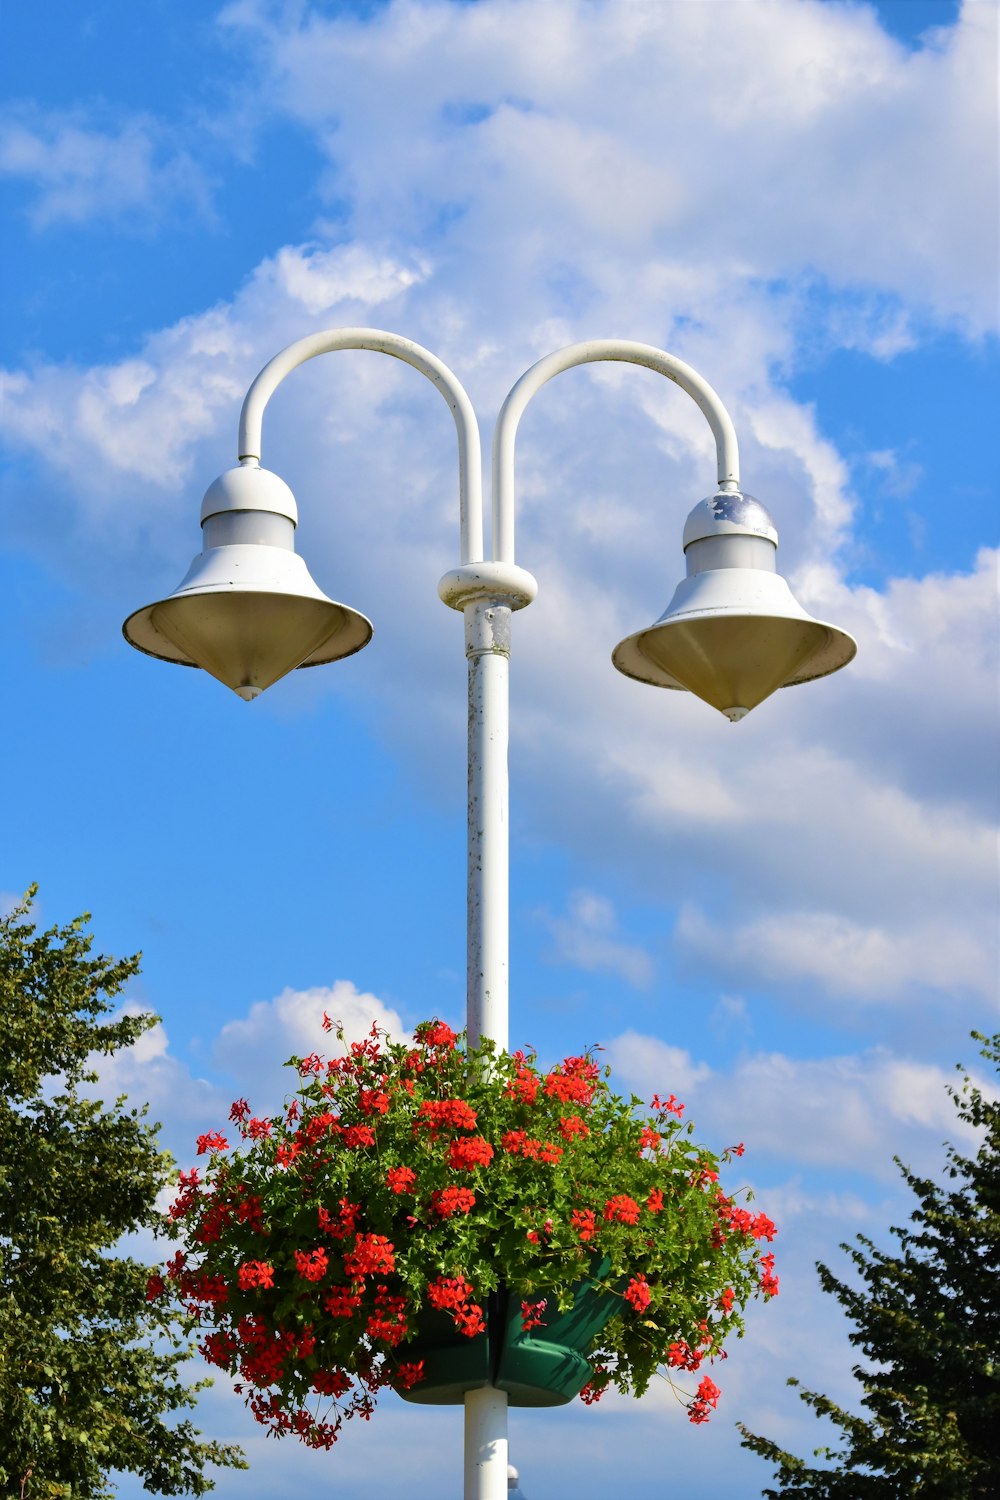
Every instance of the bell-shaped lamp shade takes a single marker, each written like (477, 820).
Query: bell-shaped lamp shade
(733, 633)
(248, 611)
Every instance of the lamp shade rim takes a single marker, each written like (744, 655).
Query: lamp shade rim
(141, 632)
(726, 620)
(834, 648)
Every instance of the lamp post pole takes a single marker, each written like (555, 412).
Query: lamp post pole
(248, 612)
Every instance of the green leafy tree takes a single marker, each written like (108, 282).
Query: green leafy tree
(88, 1366)
(928, 1321)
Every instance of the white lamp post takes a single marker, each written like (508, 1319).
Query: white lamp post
(248, 612)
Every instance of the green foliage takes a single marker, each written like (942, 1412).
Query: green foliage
(87, 1364)
(409, 1178)
(928, 1319)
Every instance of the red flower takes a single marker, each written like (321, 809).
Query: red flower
(680, 1356)
(469, 1152)
(339, 1227)
(452, 1200)
(655, 1201)
(623, 1208)
(582, 1220)
(436, 1034)
(571, 1125)
(373, 1102)
(311, 1264)
(155, 1287)
(331, 1382)
(595, 1387)
(372, 1253)
(409, 1374)
(531, 1314)
(727, 1299)
(257, 1129)
(524, 1085)
(768, 1282)
(573, 1080)
(341, 1301)
(514, 1141)
(286, 1153)
(218, 1349)
(649, 1139)
(255, 1273)
(401, 1179)
(440, 1114)
(448, 1292)
(669, 1106)
(359, 1135)
(214, 1141)
(708, 1396)
(763, 1228)
(239, 1111)
(637, 1292)
(469, 1320)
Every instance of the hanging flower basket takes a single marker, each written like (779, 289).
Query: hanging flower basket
(435, 1219)
(543, 1364)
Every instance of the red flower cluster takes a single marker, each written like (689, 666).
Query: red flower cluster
(584, 1222)
(341, 1301)
(573, 1081)
(469, 1152)
(768, 1281)
(311, 1264)
(454, 1294)
(436, 1034)
(372, 1254)
(401, 1179)
(637, 1292)
(621, 1208)
(338, 1226)
(708, 1396)
(213, 1141)
(255, 1273)
(452, 1200)
(435, 1115)
(531, 1314)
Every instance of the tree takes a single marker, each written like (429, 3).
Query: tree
(88, 1366)
(928, 1320)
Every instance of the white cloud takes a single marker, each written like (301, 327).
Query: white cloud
(586, 938)
(849, 959)
(320, 279)
(253, 1050)
(837, 825)
(551, 115)
(79, 172)
(849, 1113)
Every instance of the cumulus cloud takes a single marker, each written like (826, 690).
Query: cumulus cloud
(77, 171)
(586, 938)
(835, 836)
(254, 1048)
(850, 1113)
(551, 114)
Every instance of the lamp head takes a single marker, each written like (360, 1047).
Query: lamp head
(247, 610)
(733, 633)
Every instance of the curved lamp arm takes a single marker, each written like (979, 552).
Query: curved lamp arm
(470, 482)
(581, 354)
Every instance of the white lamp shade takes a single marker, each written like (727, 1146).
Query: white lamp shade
(732, 636)
(248, 614)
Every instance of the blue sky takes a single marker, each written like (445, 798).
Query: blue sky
(790, 923)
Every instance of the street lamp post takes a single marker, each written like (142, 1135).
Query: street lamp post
(248, 612)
